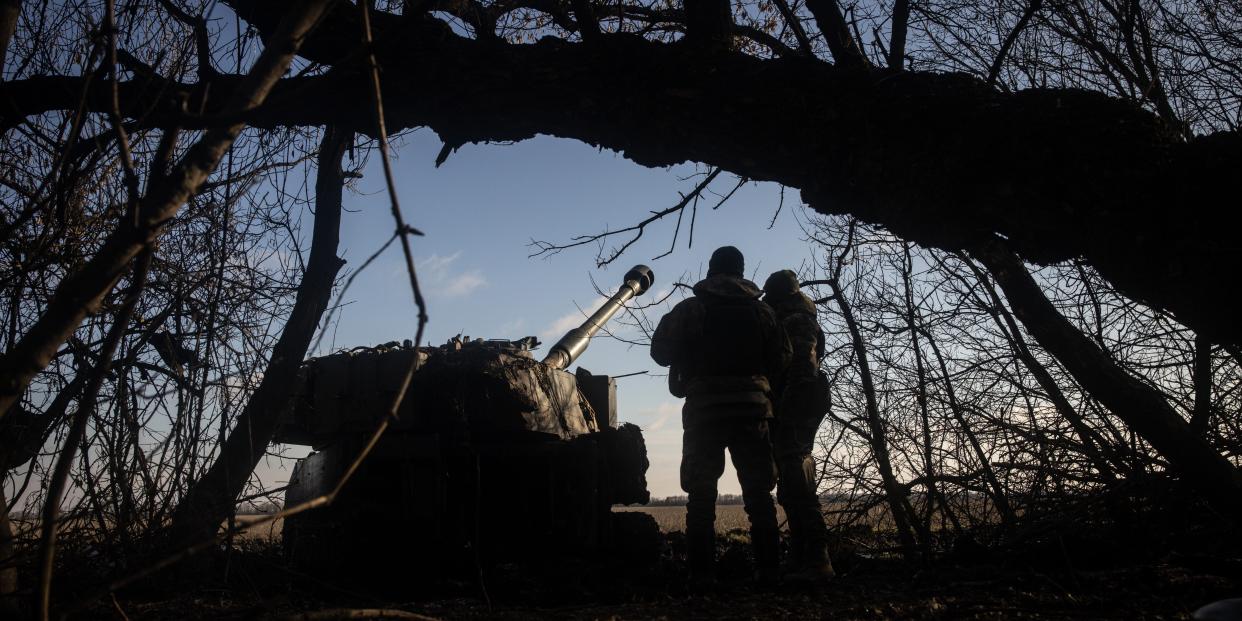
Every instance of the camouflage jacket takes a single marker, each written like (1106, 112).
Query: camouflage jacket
(679, 343)
(797, 316)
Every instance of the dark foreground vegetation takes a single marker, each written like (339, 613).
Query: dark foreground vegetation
(1163, 565)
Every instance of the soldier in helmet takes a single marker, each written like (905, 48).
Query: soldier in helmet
(722, 346)
(802, 400)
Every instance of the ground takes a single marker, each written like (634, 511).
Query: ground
(1074, 577)
(876, 590)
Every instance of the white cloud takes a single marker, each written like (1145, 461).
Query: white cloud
(463, 284)
(569, 321)
(435, 266)
(662, 413)
(442, 281)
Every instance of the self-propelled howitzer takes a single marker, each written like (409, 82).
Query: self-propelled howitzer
(494, 454)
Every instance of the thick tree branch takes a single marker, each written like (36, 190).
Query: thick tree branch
(897, 42)
(1142, 407)
(939, 159)
(1093, 447)
(1032, 7)
(202, 41)
(837, 33)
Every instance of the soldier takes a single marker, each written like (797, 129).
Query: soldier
(722, 345)
(802, 401)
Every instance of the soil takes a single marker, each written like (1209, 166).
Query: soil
(1058, 582)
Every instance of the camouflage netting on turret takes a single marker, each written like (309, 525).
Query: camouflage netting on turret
(460, 388)
(482, 389)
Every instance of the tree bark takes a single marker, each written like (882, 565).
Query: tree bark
(1142, 408)
(210, 500)
(82, 292)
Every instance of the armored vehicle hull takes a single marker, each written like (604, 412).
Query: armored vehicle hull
(492, 456)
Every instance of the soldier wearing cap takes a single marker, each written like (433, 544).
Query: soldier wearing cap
(723, 346)
(802, 400)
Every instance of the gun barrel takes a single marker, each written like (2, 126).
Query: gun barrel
(636, 282)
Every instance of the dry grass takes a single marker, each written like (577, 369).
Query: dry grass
(728, 517)
(269, 532)
(670, 519)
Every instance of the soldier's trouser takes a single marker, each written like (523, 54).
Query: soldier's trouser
(702, 463)
(794, 437)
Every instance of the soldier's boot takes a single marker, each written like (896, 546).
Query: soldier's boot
(797, 544)
(766, 545)
(816, 567)
(701, 559)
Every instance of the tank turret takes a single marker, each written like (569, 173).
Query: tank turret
(493, 451)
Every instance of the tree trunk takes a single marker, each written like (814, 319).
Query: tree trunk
(210, 500)
(1142, 408)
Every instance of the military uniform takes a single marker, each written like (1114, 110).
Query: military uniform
(803, 400)
(722, 345)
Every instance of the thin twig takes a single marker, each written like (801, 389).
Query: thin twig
(403, 230)
(638, 229)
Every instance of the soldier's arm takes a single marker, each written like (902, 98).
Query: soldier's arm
(806, 337)
(802, 330)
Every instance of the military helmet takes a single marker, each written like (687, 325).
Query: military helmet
(781, 284)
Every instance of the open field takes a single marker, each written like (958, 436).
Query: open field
(673, 519)
(266, 532)
(670, 519)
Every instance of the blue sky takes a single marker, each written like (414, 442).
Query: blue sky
(480, 211)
